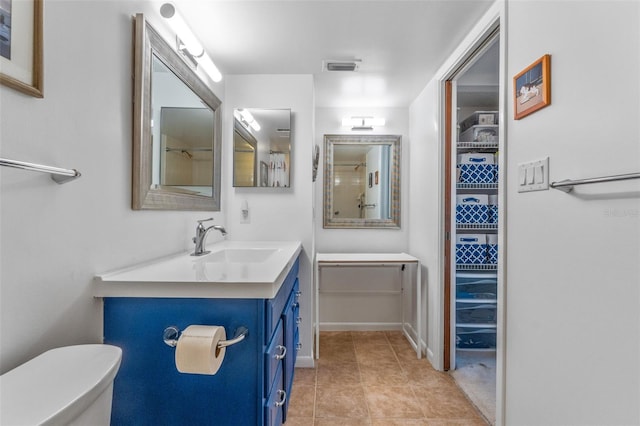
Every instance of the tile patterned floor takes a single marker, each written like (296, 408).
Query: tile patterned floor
(374, 379)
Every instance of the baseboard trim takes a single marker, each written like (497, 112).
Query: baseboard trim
(430, 357)
(305, 362)
(360, 326)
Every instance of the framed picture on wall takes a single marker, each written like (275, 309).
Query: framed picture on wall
(21, 45)
(532, 88)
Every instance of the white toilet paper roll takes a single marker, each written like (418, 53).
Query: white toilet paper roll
(197, 350)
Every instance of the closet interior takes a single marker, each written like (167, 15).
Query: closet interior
(474, 307)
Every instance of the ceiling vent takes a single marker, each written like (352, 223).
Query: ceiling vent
(350, 66)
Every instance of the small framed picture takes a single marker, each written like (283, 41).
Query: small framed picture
(532, 88)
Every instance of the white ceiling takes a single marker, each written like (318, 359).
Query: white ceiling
(401, 43)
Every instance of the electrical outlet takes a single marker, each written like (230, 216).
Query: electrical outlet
(244, 216)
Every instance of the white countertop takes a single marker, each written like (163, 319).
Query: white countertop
(208, 276)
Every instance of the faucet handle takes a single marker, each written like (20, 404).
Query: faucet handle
(204, 220)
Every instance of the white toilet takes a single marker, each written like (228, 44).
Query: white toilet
(71, 385)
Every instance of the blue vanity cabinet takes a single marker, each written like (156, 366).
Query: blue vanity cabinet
(252, 385)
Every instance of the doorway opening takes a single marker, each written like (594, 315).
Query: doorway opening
(472, 224)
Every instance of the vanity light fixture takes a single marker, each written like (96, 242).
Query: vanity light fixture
(246, 119)
(363, 122)
(188, 44)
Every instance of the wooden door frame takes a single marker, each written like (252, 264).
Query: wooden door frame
(448, 145)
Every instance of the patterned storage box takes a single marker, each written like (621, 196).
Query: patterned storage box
(493, 209)
(472, 208)
(471, 249)
(477, 173)
(477, 168)
(476, 285)
(475, 313)
(475, 338)
(492, 249)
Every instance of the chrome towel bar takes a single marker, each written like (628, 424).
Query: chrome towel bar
(568, 184)
(57, 174)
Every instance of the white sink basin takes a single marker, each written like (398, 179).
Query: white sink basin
(233, 269)
(240, 255)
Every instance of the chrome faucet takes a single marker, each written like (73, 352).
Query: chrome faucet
(201, 234)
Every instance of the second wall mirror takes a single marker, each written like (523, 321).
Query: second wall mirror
(362, 181)
(262, 147)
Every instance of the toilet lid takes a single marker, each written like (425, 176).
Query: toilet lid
(57, 385)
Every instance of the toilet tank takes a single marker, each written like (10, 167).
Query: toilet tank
(63, 386)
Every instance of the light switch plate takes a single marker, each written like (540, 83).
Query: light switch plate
(535, 174)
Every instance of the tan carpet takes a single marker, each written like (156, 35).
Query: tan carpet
(476, 376)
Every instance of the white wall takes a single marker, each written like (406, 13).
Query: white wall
(573, 276)
(572, 286)
(425, 208)
(278, 214)
(329, 122)
(55, 238)
(366, 311)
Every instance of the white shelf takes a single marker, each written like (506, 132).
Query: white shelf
(476, 267)
(477, 226)
(468, 186)
(477, 145)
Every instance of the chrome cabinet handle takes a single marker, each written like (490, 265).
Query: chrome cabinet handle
(283, 398)
(283, 352)
(298, 320)
(299, 346)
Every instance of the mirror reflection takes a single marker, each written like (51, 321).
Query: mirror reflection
(176, 135)
(261, 147)
(362, 181)
(184, 158)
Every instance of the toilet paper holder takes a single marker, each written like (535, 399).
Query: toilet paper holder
(172, 333)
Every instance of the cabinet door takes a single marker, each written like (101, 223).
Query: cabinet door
(275, 353)
(290, 319)
(273, 408)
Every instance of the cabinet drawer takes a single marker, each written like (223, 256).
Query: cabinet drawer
(475, 313)
(273, 356)
(476, 285)
(475, 338)
(276, 398)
